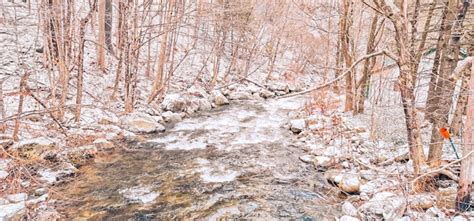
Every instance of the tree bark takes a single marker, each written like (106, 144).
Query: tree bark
(445, 88)
(463, 197)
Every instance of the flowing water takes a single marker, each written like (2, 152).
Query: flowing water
(235, 162)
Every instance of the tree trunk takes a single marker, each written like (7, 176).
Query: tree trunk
(364, 81)
(101, 36)
(456, 123)
(463, 197)
(80, 61)
(445, 88)
(443, 39)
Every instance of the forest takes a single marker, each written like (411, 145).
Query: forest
(305, 110)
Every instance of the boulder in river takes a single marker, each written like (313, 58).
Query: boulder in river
(240, 95)
(170, 117)
(219, 99)
(174, 103)
(297, 125)
(266, 93)
(141, 123)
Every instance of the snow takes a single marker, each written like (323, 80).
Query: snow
(140, 194)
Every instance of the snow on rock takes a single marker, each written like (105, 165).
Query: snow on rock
(54, 176)
(386, 205)
(10, 210)
(16, 198)
(240, 95)
(348, 218)
(38, 142)
(204, 104)
(278, 87)
(3, 168)
(139, 194)
(102, 143)
(3, 174)
(170, 117)
(297, 125)
(174, 103)
(266, 93)
(141, 123)
(219, 99)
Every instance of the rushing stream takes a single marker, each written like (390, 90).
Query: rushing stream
(237, 161)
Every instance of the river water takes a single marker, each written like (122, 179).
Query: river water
(235, 162)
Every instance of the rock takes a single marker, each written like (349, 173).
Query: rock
(348, 218)
(405, 218)
(421, 201)
(446, 198)
(41, 191)
(435, 214)
(321, 161)
(3, 174)
(345, 164)
(306, 158)
(219, 99)
(170, 117)
(297, 125)
(332, 151)
(295, 86)
(240, 95)
(38, 142)
(3, 201)
(141, 123)
(40, 147)
(204, 105)
(367, 174)
(350, 183)
(10, 210)
(349, 209)
(174, 103)
(47, 213)
(386, 205)
(54, 176)
(374, 185)
(197, 91)
(279, 87)
(266, 93)
(37, 200)
(102, 143)
(333, 175)
(16, 198)
(459, 218)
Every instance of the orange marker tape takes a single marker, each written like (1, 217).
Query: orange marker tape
(444, 132)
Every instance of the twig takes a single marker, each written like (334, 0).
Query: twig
(442, 168)
(340, 76)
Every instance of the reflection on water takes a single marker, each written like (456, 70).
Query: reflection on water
(234, 162)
